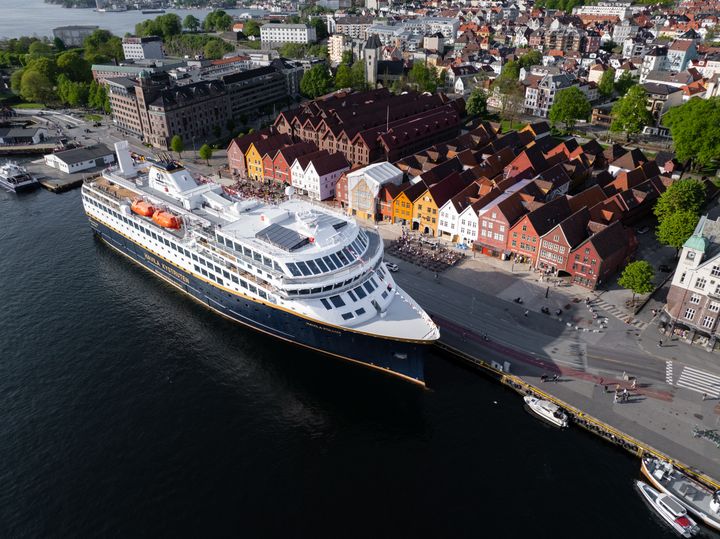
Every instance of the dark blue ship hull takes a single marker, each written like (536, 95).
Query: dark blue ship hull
(401, 358)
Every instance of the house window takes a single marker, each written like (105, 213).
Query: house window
(708, 321)
(715, 271)
(695, 298)
(700, 283)
(689, 314)
(556, 238)
(714, 307)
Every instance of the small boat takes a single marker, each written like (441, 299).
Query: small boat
(546, 410)
(166, 219)
(670, 510)
(700, 500)
(151, 11)
(143, 208)
(16, 178)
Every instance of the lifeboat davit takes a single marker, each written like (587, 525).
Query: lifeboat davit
(142, 208)
(166, 219)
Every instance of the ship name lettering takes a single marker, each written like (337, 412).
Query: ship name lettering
(175, 273)
(329, 330)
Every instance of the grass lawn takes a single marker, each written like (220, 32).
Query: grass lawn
(29, 106)
(250, 44)
(93, 118)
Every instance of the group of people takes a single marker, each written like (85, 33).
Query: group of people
(430, 256)
(268, 192)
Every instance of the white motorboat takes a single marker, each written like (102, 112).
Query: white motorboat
(546, 410)
(15, 178)
(670, 510)
(700, 500)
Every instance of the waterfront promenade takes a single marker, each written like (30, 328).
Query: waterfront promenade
(475, 299)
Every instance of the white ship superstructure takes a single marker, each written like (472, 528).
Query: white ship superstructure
(299, 261)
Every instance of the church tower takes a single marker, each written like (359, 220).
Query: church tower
(372, 52)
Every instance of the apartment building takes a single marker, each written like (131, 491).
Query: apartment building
(353, 27)
(277, 34)
(143, 48)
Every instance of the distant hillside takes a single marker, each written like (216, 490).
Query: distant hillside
(72, 3)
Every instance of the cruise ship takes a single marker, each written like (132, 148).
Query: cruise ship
(295, 270)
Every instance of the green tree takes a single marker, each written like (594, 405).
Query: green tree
(569, 106)
(191, 23)
(177, 145)
(102, 46)
(529, 59)
(477, 103)
(682, 195)
(214, 49)
(44, 65)
(624, 83)
(218, 21)
(58, 44)
(343, 77)
(630, 114)
(36, 87)
(608, 46)
(695, 129)
(320, 28)
(15, 79)
(292, 50)
(39, 48)
(358, 76)
(316, 81)
(252, 28)
(205, 152)
(638, 278)
(676, 228)
(607, 82)
(74, 66)
(511, 70)
(511, 95)
(347, 58)
(424, 78)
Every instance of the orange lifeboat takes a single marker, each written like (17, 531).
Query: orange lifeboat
(142, 208)
(166, 219)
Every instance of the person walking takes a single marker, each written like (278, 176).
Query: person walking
(527, 312)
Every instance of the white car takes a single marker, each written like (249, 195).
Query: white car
(392, 267)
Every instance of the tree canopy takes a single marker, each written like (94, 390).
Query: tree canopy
(529, 59)
(607, 82)
(343, 77)
(36, 87)
(252, 28)
(101, 46)
(630, 113)
(624, 83)
(569, 106)
(316, 81)
(637, 277)
(676, 228)
(682, 195)
(347, 57)
(511, 95)
(695, 129)
(165, 26)
(218, 21)
(477, 103)
(205, 152)
(191, 23)
(425, 78)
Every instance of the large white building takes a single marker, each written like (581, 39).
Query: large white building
(277, 34)
(336, 47)
(316, 174)
(607, 9)
(143, 48)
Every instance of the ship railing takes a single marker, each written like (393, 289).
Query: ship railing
(418, 310)
(210, 242)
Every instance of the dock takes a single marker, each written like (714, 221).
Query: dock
(56, 181)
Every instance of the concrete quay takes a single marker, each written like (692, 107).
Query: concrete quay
(475, 299)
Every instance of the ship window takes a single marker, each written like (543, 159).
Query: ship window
(205, 273)
(187, 253)
(267, 262)
(384, 294)
(327, 288)
(329, 263)
(276, 266)
(219, 280)
(337, 301)
(375, 285)
(326, 303)
(360, 311)
(197, 268)
(221, 239)
(368, 286)
(166, 242)
(313, 267)
(293, 269)
(194, 257)
(243, 284)
(338, 285)
(315, 291)
(257, 256)
(234, 279)
(292, 292)
(381, 273)
(347, 316)
(263, 295)
(247, 252)
(154, 236)
(341, 256)
(336, 260)
(203, 262)
(226, 274)
(360, 292)
(173, 246)
(321, 265)
(351, 256)
(217, 269)
(352, 296)
(252, 289)
(304, 291)
(304, 268)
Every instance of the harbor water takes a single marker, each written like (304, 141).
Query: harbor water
(35, 17)
(130, 410)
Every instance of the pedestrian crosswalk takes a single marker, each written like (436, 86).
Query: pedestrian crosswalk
(669, 372)
(699, 381)
(617, 313)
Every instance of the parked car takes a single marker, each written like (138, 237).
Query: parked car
(665, 268)
(392, 267)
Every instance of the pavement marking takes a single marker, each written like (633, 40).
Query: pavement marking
(618, 313)
(669, 372)
(700, 381)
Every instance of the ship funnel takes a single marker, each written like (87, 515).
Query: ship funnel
(122, 150)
